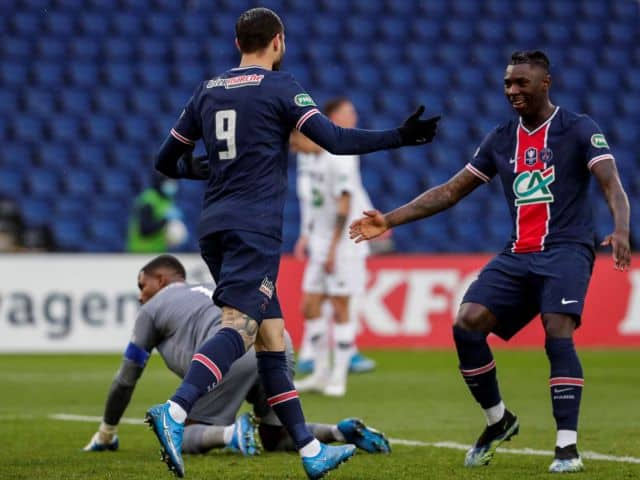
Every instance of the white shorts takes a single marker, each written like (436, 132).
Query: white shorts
(347, 279)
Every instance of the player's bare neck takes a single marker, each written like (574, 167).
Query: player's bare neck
(531, 122)
(255, 60)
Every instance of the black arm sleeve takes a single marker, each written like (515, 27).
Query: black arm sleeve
(149, 224)
(121, 390)
(348, 141)
(174, 159)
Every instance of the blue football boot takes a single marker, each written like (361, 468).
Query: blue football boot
(304, 367)
(363, 437)
(566, 460)
(244, 439)
(169, 434)
(492, 436)
(329, 458)
(361, 364)
(95, 445)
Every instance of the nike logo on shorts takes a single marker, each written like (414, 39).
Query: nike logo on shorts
(567, 302)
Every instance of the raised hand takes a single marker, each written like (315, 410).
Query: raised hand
(372, 225)
(415, 131)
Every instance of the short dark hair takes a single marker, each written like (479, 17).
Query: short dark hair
(532, 57)
(165, 261)
(256, 27)
(334, 104)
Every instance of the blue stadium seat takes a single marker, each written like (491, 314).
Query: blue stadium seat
(36, 212)
(453, 129)
(196, 25)
(189, 74)
(632, 78)
(74, 101)
(51, 48)
(106, 235)
(42, 182)
(359, 28)
(557, 32)
(569, 101)
(99, 128)
(65, 129)
(84, 74)
(79, 182)
(386, 54)
(490, 31)
(11, 183)
(159, 23)
(322, 54)
(72, 207)
(53, 155)
(16, 155)
(367, 8)
(434, 77)
(39, 101)
(469, 9)
(400, 77)
(450, 54)
(366, 76)
(144, 101)
(599, 105)
(330, 77)
(589, 33)
(566, 11)
(153, 74)
(16, 47)
(458, 31)
(59, 23)
(116, 184)
(118, 49)
(468, 77)
(626, 11)
(125, 155)
(111, 101)
(615, 57)
(93, 24)
(524, 33)
(395, 104)
(84, 48)
(582, 56)
(8, 100)
(89, 156)
(119, 75)
(128, 24)
(461, 103)
(13, 74)
(328, 26)
(394, 29)
(223, 25)
(337, 6)
(152, 49)
(629, 104)
(27, 128)
(187, 50)
(625, 133)
(47, 74)
(69, 235)
(425, 30)
(136, 128)
(572, 78)
(28, 24)
(606, 80)
(622, 34)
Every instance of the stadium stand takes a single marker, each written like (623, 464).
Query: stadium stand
(88, 89)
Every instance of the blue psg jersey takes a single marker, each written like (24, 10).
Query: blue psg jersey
(245, 116)
(545, 174)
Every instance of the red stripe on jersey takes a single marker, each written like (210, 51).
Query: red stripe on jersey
(212, 367)
(282, 397)
(532, 221)
(574, 382)
(306, 117)
(181, 137)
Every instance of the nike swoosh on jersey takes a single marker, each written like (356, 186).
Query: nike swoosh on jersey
(567, 302)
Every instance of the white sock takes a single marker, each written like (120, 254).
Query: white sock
(311, 449)
(566, 437)
(227, 434)
(177, 412)
(337, 434)
(343, 334)
(495, 413)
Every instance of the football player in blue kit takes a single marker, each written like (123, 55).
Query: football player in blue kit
(545, 160)
(245, 116)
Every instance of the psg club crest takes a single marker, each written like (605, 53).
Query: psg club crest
(531, 156)
(546, 155)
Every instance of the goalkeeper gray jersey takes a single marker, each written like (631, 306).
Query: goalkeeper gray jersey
(176, 321)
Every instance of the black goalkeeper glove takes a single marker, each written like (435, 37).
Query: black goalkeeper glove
(415, 131)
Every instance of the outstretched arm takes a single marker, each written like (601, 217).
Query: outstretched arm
(355, 141)
(427, 204)
(607, 175)
(175, 159)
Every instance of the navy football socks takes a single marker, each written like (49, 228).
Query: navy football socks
(566, 381)
(282, 396)
(477, 366)
(208, 366)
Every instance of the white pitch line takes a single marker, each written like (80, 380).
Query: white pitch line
(88, 418)
(515, 451)
(394, 441)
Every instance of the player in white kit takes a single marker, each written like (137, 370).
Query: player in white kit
(331, 195)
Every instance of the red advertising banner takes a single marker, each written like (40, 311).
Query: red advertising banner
(411, 301)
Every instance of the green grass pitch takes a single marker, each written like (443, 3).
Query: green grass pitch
(413, 395)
